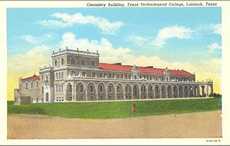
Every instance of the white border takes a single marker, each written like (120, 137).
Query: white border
(67, 4)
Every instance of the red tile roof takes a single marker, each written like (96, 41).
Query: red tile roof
(144, 70)
(34, 77)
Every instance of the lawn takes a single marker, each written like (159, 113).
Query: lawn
(117, 109)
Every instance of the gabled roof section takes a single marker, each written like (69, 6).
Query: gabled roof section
(34, 77)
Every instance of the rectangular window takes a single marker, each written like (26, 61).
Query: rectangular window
(26, 86)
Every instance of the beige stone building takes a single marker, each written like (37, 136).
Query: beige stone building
(76, 75)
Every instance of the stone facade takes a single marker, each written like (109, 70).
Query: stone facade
(79, 76)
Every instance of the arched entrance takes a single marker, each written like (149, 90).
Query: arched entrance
(69, 93)
(101, 91)
(91, 91)
(111, 92)
(143, 92)
(169, 91)
(128, 92)
(150, 91)
(135, 92)
(47, 97)
(175, 91)
(186, 91)
(80, 92)
(163, 92)
(119, 92)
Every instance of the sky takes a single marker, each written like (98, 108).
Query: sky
(179, 38)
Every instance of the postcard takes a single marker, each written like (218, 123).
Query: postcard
(115, 71)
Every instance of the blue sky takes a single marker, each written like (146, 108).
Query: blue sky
(179, 38)
(143, 22)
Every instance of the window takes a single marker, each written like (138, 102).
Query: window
(62, 61)
(56, 76)
(55, 62)
(47, 97)
(72, 61)
(62, 75)
(118, 88)
(59, 75)
(72, 73)
(83, 62)
(91, 88)
(46, 77)
(31, 84)
(93, 63)
(110, 88)
(26, 85)
(37, 83)
(93, 74)
(56, 88)
(81, 88)
(83, 74)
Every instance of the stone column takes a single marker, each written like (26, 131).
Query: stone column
(96, 88)
(183, 91)
(132, 92)
(198, 91)
(211, 89)
(154, 92)
(166, 91)
(86, 92)
(178, 91)
(206, 90)
(106, 92)
(65, 94)
(172, 90)
(202, 90)
(147, 92)
(124, 92)
(74, 94)
(139, 92)
(160, 91)
(115, 91)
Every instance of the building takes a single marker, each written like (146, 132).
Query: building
(76, 75)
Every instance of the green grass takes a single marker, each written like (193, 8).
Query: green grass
(117, 109)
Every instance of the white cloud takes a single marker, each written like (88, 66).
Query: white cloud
(138, 40)
(35, 40)
(217, 29)
(179, 32)
(67, 20)
(30, 39)
(30, 61)
(111, 54)
(213, 47)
